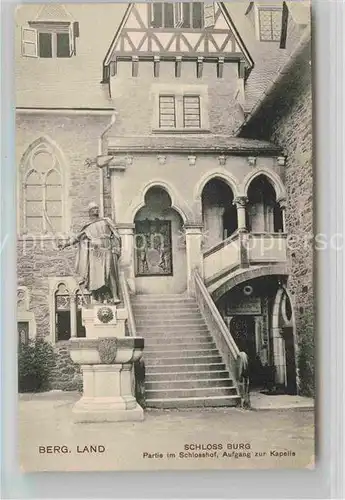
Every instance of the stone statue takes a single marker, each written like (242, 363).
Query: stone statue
(99, 250)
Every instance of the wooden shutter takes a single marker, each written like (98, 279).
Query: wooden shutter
(29, 42)
(191, 112)
(209, 15)
(71, 40)
(167, 115)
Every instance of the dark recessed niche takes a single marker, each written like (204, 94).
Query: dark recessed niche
(293, 255)
(301, 310)
(304, 289)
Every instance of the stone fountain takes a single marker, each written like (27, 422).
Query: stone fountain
(106, 357)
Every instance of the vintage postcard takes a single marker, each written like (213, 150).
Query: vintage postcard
(165, 235)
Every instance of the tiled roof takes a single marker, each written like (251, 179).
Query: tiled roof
(75, 81)
(192, 143)
(267, 56)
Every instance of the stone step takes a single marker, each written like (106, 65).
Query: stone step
(173, 328)
(179, 353)
(196, 360)
(187, 375)
(176, 322)
(169, 316)
(172, 334)
(162, 301)
(164, 385)
(191, 393)
(172, 339)
(154, 295)
(175, 346)
(165, 304)
(194, 402)
(181, 367)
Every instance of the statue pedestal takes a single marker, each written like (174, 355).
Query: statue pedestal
(106, 358)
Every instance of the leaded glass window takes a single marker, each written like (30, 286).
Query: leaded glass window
(270, 24)
(42, 190)
(62, 313)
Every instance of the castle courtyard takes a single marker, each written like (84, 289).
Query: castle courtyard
(219, 438)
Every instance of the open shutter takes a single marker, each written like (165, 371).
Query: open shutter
(178, 14)
(73, 35)
(71, 40)
(209, 15)
(29, 42)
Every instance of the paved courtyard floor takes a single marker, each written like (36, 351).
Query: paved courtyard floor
(227, 438)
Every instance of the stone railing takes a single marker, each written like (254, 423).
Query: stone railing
(127, 302)
(242, 250)
(266, 247)
(222, 258)
(223, 338)
(139, 365)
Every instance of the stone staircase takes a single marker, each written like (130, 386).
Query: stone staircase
(184, 368)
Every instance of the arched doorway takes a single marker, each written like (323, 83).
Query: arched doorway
(218, 212)
(264, 213)
(259, 316)
(159, 249)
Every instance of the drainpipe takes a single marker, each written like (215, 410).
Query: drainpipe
(101, 152)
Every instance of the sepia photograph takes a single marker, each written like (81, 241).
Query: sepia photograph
(165, 242)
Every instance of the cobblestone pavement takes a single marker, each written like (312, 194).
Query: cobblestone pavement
(222, 438)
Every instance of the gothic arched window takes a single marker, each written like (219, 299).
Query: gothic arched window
(62, 313)
(42, 189)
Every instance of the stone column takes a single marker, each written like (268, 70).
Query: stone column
(194, 253)
(241, 202)
(279, 356)
(73, 315)
(282, 204)
(126, 232)
(278, 341)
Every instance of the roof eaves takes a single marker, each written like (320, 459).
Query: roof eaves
(238, 37)
(117, 34)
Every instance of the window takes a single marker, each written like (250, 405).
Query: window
(270, 24)
(23, 332)
(50, 39)
(162, 15)
(42, 190)
(180, 109)
(191, 112)
(62, 313)
(167, 114)
(179, 112)
(67, 307)
(182, 15)
(26, 322)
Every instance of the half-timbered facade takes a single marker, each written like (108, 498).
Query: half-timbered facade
(144, 108)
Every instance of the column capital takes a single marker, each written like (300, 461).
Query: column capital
(282, 203)
(193, 228)
(240, 201)
(125, 227)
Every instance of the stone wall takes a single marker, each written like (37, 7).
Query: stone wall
(135, 96)
(288, 123)
(38, 258)
(66, 375)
